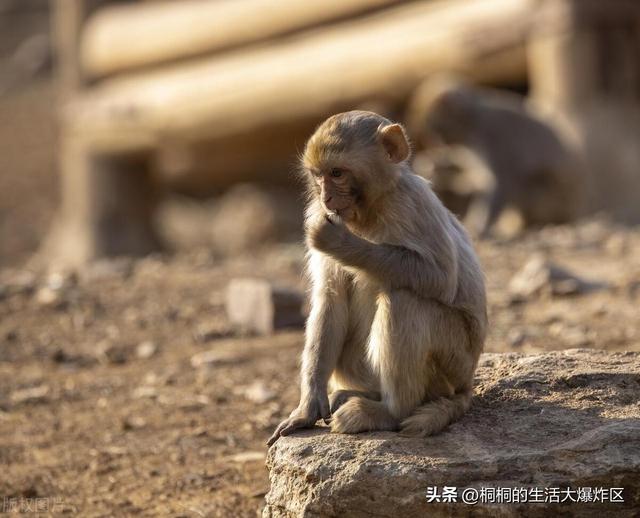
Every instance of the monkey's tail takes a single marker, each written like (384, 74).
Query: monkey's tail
(436, 415)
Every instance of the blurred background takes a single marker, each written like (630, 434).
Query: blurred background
(151, 289)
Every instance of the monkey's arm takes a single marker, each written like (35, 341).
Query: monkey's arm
(325, 334)
(431, 274)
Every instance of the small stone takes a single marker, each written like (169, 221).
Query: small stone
(216, 357)
(145, 392)
(208, 332)
(58, 281)
(539, 276)
(259, 393)
(133, 423)
(248, 456)
(146, 350)
(33, 395)
(516, 337)
(257, 306)
(49, 298)
(194, 403)
(111, 353)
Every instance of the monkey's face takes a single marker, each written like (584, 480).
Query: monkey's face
(338, 190)
(350, 161)
(447, 118)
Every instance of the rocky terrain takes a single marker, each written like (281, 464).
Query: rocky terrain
(125, 390)
(558, 433)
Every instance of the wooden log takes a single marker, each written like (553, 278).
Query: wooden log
(107, 201)
(67, 22)
(257, 91)
(128, 37)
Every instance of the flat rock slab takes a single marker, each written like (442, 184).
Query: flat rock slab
(556, 420)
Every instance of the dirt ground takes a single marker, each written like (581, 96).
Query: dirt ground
(104, 411)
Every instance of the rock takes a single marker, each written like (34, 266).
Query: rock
(112, 353)
(259, 393)
(539, 276)
(247, 456)
(216, 357)
(257, 306)
(146, 350)
(62, 280)
(516, 337)
(133, 423)
(32, 395)
(207, 332)
(145, 392)
(555, 420)
(118, 268)
(49, 298)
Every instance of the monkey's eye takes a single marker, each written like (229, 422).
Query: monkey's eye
(336, 173)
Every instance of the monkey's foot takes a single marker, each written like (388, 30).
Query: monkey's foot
(340, 397)
(362, 415)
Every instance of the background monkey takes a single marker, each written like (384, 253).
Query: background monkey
(535, 171)
(398, 316)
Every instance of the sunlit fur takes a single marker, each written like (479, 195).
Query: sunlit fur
(398, 316)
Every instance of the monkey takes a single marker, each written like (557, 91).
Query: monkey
(398, 306)
(535, 170)
(459, 177)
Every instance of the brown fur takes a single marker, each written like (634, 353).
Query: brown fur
(398, 315)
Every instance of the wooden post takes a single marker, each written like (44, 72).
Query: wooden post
(585, 69)
(107, 199)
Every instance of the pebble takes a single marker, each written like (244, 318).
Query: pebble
(216, 357)
(259, 393)
(33, 395)
(146, 350)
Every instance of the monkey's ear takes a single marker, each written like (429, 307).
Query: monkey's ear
(395, 142)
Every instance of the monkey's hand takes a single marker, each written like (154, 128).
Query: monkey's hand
(327, 233)
(305, 416)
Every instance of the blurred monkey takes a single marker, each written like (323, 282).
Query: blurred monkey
(535, 171)
(398, 311)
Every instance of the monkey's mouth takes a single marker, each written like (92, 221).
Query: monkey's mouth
(344, 213)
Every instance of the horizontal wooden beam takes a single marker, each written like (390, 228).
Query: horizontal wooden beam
(126, 37)
(382, 56)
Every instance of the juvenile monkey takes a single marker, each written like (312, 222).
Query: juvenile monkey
(398, 316)
(535, 171)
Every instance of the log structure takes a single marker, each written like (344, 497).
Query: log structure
(201, 94)
(123, 38)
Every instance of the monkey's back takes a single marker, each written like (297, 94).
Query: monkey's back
(440, 224)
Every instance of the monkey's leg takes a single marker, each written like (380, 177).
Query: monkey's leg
(398, 350)
(454, 353)
(353, 375)
(326, 332)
